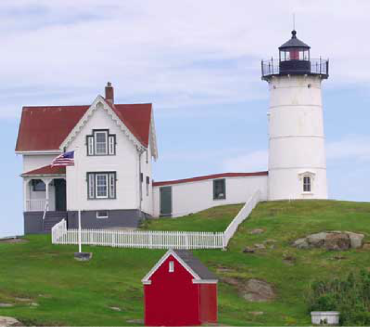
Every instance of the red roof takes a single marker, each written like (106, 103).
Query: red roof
(47, 170)
(45, 128)
(202, 178)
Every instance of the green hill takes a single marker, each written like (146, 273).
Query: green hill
(46, 286)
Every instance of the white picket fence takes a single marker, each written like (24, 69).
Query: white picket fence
(153, 239)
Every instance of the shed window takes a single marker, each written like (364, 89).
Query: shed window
(307, 187)
(219, 189)
(171, 267)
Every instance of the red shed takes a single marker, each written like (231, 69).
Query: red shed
(180, 291)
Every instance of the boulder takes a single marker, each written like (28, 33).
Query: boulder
(301, 243)
(248, 249)
(333, 241)
(9, 321)
(316, 240)
(252, 290)
(256, 290)
(337, 242)
(356, 239)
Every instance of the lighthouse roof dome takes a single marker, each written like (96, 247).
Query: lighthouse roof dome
(294, 42)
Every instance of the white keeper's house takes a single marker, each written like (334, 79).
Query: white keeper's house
(114, 146)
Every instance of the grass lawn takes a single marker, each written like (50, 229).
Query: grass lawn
(212, 220)
(68, 292)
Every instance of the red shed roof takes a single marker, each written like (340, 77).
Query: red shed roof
(47, 170)
(202, 178)
(45, 128)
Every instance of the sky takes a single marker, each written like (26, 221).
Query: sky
(198, 62)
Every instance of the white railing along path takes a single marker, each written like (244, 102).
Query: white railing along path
(154, 239)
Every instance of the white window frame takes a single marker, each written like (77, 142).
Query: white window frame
(90, 145)
(106, 185)
(96, 143)
(171, 267)
(111, 144)
(309, 184)
(91, 186)
(112, 185)
(302, 176)
(102, 214)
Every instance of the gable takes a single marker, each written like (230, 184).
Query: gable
(190, 263)
(46, 128)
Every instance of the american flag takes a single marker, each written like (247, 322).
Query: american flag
(64, 159)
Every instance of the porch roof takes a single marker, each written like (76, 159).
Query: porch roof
(46, 170)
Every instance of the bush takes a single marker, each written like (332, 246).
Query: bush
(350, 296)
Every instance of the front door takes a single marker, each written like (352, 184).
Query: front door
(60, 195)
(166, 201)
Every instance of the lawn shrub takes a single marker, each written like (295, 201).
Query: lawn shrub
(350, 296)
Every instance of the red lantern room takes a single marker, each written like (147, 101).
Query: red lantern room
(180, 291)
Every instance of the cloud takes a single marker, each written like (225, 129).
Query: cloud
(175, 55)
(353, 147)
(253, 161)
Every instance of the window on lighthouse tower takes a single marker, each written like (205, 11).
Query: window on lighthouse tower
(307, 184)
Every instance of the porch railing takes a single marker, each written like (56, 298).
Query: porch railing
(36, 204)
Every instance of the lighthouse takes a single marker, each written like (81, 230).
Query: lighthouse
(297, 161)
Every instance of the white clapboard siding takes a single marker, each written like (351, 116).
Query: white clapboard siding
(154, 239)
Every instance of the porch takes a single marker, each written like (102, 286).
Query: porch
(45, 190)
(45, 194)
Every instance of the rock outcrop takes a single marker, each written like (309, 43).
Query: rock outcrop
(252, 290)
(334, 241)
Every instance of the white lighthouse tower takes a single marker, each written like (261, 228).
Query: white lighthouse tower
(297, 163)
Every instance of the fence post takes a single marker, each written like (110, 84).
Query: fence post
(187, 241)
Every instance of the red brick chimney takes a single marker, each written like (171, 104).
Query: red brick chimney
(109, 93)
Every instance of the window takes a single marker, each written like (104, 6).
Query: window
(147, 185)
(102, 214)
(101, 143)
(171, 267)
(101, 185)
(219, 189)
(38, 185)
(307, 184)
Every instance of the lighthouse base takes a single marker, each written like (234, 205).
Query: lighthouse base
(294, 184)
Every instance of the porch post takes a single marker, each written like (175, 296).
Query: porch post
(47, 181)
(26, 193)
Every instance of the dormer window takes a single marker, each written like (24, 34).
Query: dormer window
(101, 143)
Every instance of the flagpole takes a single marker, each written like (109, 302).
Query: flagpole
(77, 198)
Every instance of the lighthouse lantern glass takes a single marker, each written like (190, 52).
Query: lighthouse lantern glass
(294, 54)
